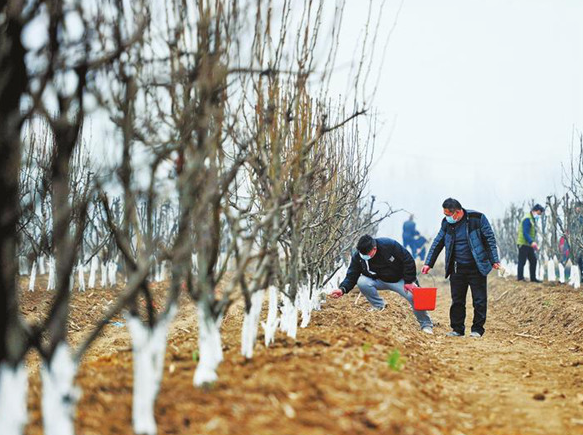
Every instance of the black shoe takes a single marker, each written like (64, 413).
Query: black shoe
(520, 279)
(535, 280)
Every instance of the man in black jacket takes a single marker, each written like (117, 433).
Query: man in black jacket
(470, 255)
(383, 264)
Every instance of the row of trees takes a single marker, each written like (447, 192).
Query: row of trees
(231, 164)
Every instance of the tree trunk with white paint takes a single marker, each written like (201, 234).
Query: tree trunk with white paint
(576, 276)
(41, 265)
(210, 350)
(32, 277)
(289, 318)
(149, 349)
(81, 276)
(305, 305)
(22, 266)
(112, 272)
(59, 394)
(13, 398)
(52, 281)
(251, 324)
(272, 321)
(561, 273)
(551, 269)
(104, 274)
(93, 272)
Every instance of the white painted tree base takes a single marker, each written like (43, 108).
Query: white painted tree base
(289, 318)
(210, 350)
(272, 322)
(149, 349)
(59, 395)
(93, 272)
(13, 395)
(305, 305)
(52, 274)
(551, 271)
(251, 324)
(32, 276)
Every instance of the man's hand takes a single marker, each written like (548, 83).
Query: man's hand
(496, 266)
(409, 287)
(336, 293)
(534, 246)
(425, 269)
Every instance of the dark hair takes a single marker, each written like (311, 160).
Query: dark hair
(366, 244)
(538, 207)
(451, 204)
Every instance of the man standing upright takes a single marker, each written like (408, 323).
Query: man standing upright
(470, 255)
(527, 244)
(409, 233)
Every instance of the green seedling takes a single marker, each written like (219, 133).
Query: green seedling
(195, 355)
(547, 303)
(366, 347)
(394, 361)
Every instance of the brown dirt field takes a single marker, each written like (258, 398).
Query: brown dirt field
(525, 376)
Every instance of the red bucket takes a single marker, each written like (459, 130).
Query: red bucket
(424, 298)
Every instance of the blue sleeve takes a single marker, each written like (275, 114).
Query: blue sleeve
(526, 226)
(354, 271)
(490, 239)
(436, 247)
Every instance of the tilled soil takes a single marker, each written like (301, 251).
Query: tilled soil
(350, 372)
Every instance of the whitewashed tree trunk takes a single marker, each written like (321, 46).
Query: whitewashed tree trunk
(289, 318)
(272, 322)
(13, 397)
(93, 272)
(251, 324)
(41, 265)
(52, 281)
(210, 350)
(104, 274)
(32, 276)
(576, 276)
(22, 266)
(194, 263)
(112, 272)
(149, 349)
(59, 394)
(305, 305)
(81, 276)
(561, 273)
(163, 271)
(551, 269)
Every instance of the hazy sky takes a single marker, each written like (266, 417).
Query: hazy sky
(484, 97)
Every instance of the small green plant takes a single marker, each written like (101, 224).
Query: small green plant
(547, 303)
(195, 355)
(366, 347)
(394, 360)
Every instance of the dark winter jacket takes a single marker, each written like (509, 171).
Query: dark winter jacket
(481, 239)
(391, 263)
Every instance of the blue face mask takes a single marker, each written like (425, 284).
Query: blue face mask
(364, 257)
(537, 216)
(450, 219)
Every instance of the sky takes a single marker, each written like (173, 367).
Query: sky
(483, 99)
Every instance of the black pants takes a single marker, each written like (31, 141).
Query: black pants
(459, 282)
(526, 253)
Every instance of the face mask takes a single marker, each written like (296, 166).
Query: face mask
(537, 216)
(364, 257)
(450, 219)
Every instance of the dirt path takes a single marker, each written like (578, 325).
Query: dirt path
(336, 379)
(511, 381)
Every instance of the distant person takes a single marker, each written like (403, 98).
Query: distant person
(420, 247)
(470, 255)
(527, 244)
(409, 233)
(383, 264)
(564, 248)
